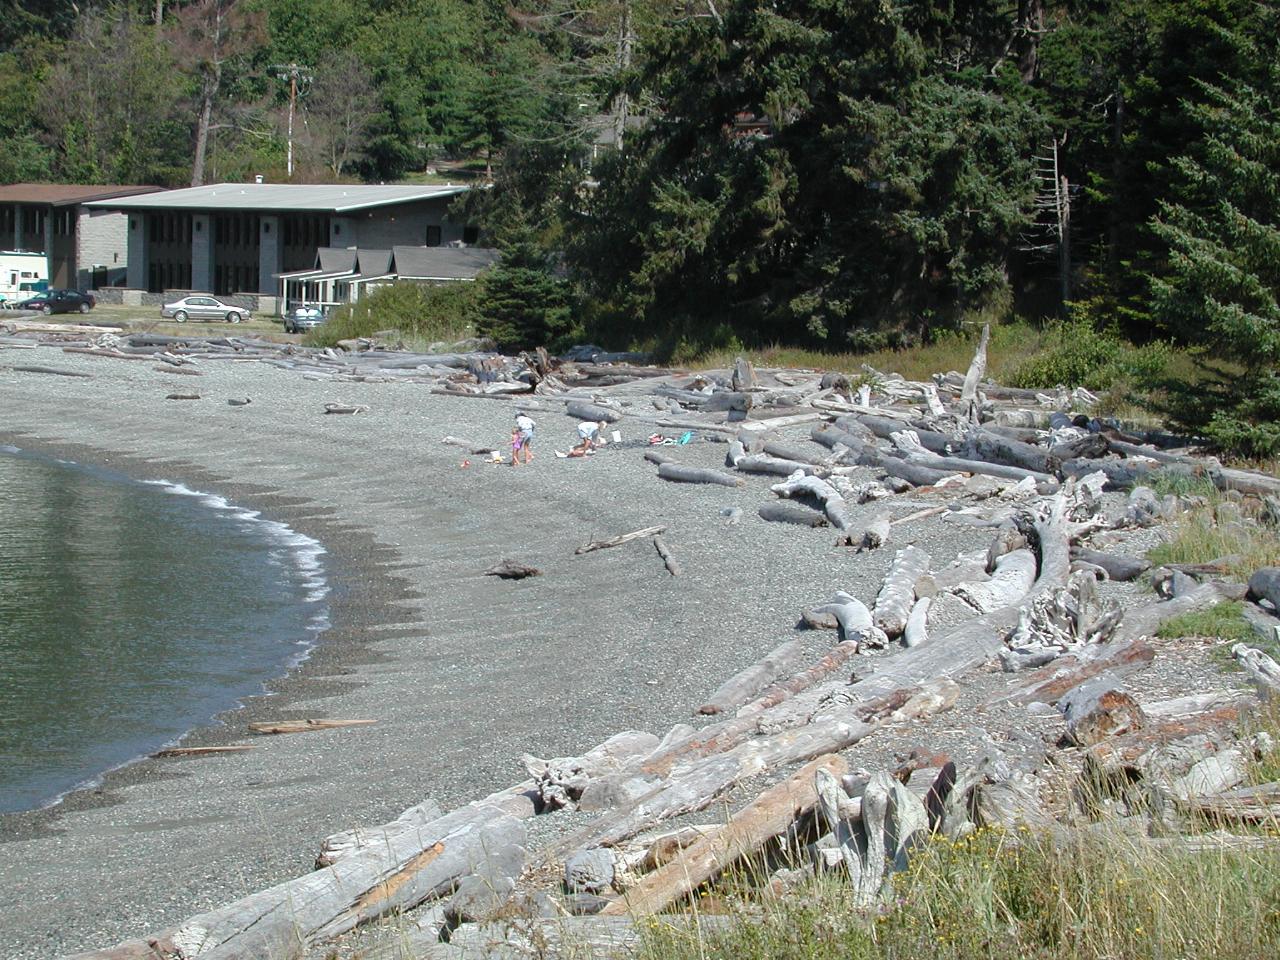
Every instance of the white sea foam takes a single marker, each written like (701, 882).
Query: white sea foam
(303, 553)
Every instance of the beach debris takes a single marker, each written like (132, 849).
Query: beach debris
(621, 539)
(235, 402)
(345, 408)
(782, 661)
(304, 726)
(202, 751)
(511, 570)
(53, 371)
(182, 396)
(673, 567)
(679, 473)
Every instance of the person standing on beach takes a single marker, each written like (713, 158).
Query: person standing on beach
(525, 426)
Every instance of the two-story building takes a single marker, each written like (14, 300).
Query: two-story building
(242, 238)
(86, 246)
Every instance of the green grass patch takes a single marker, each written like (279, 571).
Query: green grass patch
(1223, 620)
(1011, 344)
(1219, 529)
(1093, 898)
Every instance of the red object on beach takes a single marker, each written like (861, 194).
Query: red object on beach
(466, 463)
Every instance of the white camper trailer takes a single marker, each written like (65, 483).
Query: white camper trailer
(22, 275)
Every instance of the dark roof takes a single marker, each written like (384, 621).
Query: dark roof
(66, 194)
(442, 263)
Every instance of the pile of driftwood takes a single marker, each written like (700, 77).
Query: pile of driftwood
(1026, 471)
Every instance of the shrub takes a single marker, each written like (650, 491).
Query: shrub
(1078, 354)
(433, 313)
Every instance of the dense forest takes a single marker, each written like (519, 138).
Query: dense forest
(843, 174)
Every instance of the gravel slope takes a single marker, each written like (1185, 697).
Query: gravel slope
(463, 673)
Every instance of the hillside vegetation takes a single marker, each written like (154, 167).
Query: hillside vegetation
(833, 175)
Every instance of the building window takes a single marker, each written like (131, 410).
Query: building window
(470, 235)
(337, 229)
(433, 236)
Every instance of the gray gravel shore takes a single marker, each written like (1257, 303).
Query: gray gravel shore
(463, 673)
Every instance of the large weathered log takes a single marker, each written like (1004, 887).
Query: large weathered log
(781, 661)
(694, 785)
(791, 451)
(921, 456)
(1144, 621)
(1262, 670)
(763, 463)
(913, 473)
(1013, 576)
(898, 593)
(833, 504)
(781, 513)
(1098, 710)
(993, 448)
(679, 473)
(1117, 658)
(885, 428)
(1117, 567)
(397, 875)
(769, 815)
(783, 690)
(55, 371)
(333, 848)
(582, 410)
(620, 539)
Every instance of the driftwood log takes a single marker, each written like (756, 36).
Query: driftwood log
(305, 726)
(679, 473)
(897, 595)
(620, 539)
(382, 878)
(769, 815)
(672, 565)
(781, 513)
(783, 660)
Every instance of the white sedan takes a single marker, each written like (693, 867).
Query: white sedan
(201, 306)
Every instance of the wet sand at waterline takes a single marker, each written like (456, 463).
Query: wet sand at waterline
(463, 673)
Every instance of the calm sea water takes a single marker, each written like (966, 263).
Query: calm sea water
(131, 612)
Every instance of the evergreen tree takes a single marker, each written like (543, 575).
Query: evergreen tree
(1221, 286)
(522, 304)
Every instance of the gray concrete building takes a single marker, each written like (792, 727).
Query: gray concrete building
(241, 238)
(86, 245)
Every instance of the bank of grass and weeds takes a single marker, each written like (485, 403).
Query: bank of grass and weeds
(1009, 896)
(418, 314)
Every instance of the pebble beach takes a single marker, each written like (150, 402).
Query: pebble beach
(462, 673)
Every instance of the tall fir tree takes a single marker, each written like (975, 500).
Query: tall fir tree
(1221, 286)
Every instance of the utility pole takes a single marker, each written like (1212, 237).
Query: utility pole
(293, 73)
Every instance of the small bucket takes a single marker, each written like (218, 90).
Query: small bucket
(616, 436)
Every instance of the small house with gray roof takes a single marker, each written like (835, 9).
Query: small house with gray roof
(343, 274)
(271, 240)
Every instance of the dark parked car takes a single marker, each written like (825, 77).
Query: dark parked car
(59, 301)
